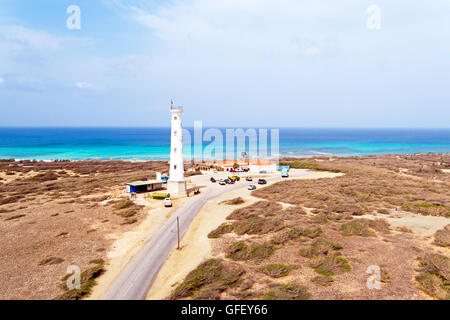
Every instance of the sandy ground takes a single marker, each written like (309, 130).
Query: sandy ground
(423, 225)
(8, 178)
(196, 246)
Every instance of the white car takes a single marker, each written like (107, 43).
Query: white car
(252, 187)
(222, 182)
(167, 202)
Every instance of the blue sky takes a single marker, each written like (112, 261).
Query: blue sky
(295, 63)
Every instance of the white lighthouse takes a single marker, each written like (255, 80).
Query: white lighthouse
(176, 185)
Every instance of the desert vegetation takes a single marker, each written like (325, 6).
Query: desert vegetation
(59, 213)
(320, 244)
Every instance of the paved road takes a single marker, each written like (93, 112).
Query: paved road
(135, 280)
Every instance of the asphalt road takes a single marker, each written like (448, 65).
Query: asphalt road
(136, 279)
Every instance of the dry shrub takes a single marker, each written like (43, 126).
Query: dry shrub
(321, 218)
(442, 237)
(234, 202)
(88, 281)
(383, 211)
(123, 204)
(325, 257)
(294, 211)
(128, 213)
(42, 177)
(257, 225)
(260, 208)
(385, 276)
(322, 280)
(329, 265)
(240, 251)
(311, 165)
(221, 230)
(50, 261)
(208, 280)
(365, 227)
(320, 247)
(11, 199)
(276, 270)
(427, 209)
(357, 227)
(434, 276)
(380, 225)
(405, 229)
(15, 217)
(295, 233)
(129, 221)
(289, 291)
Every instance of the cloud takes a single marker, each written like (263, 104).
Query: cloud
(1, 80)
(31, 38)
(83, 85)
(250, 30)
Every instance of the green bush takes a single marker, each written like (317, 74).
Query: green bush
(239, 251)
(276, 270)
(358, 227)
(222, 229)
(208, 280)
(289, 291)
(160, 196)
(323, 280)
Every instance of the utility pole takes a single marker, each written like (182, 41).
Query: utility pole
(178, 232)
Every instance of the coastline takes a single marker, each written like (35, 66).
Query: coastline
(281, 158)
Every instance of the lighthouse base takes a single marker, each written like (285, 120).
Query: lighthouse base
(176, 188)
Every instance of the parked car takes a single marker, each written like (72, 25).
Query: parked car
(213, 180)
(263, 172)
(167, 202)
(235, 178)
(251, 187)
(229, 181)
(249, 179)
(262, 181)
(222, 182)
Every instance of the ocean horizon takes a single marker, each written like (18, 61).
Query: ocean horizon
(153, 143)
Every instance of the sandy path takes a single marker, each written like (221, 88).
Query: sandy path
(196, 246)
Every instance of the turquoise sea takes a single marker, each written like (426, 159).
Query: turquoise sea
(153, 143)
